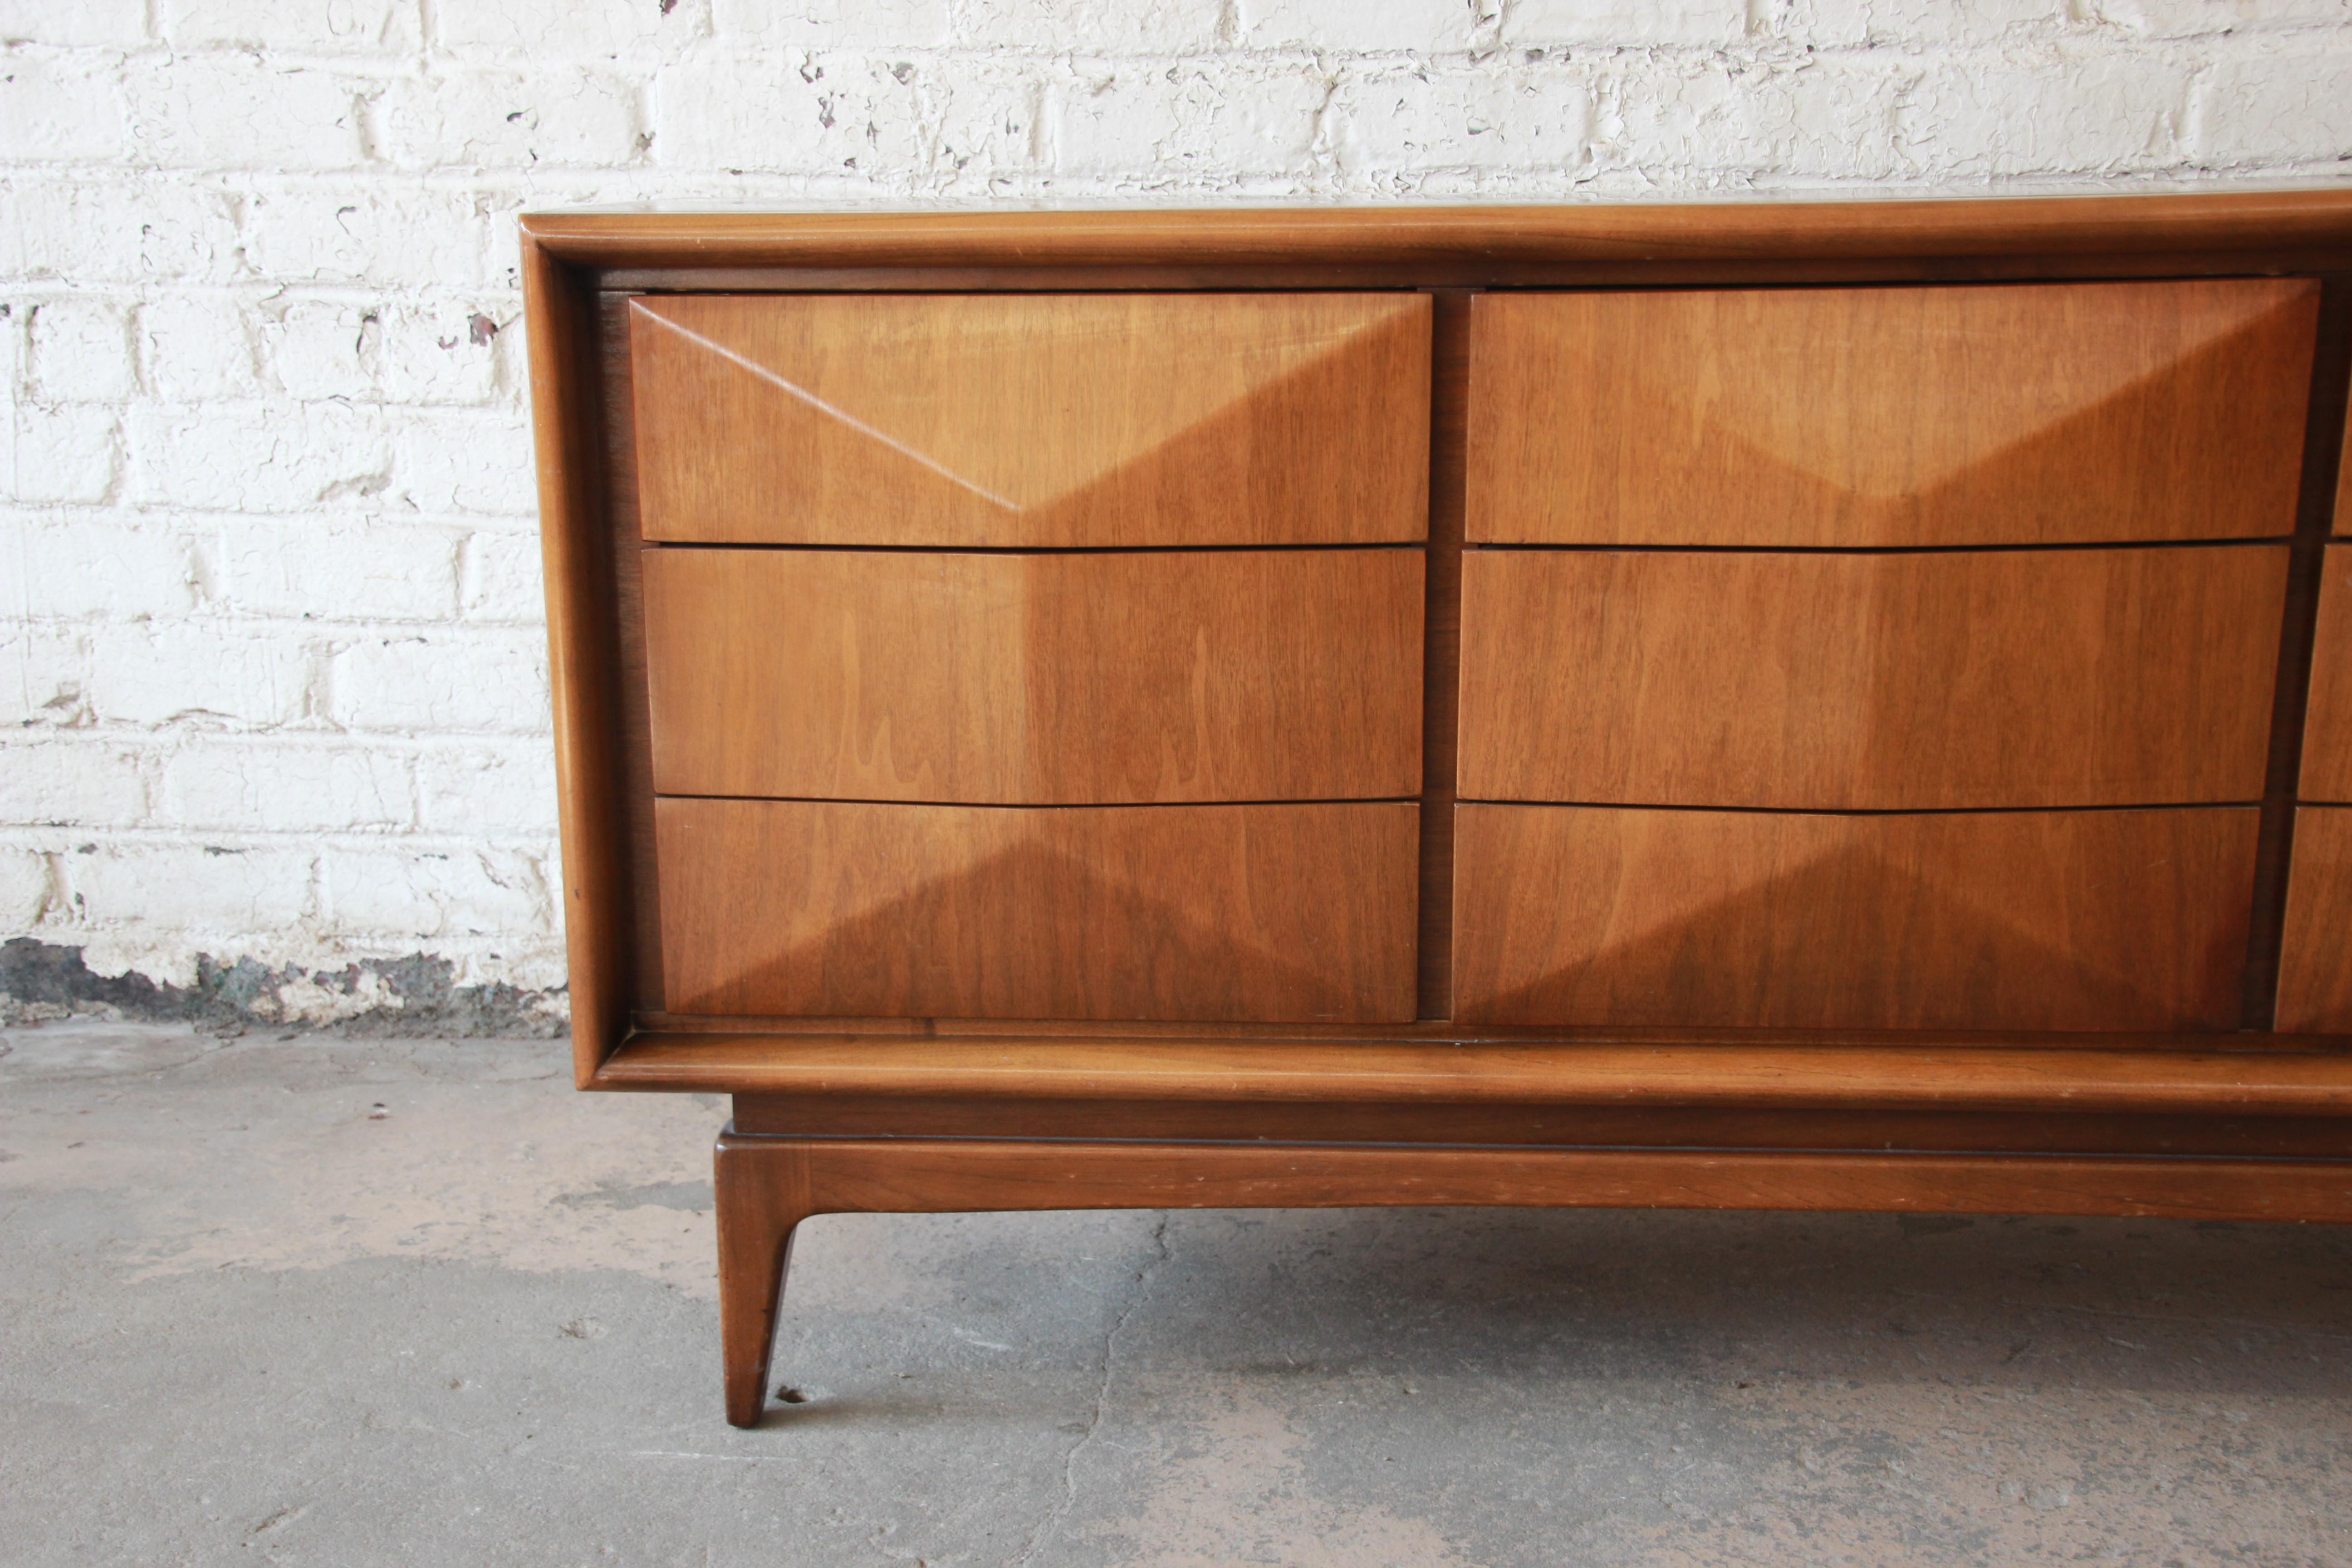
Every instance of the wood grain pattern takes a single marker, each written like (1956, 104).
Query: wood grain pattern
(1027, 421)
(1891, 416)
(766, 1186)
(1836, 682)
(1290, 911)
(1036, 679)
(2246, 1075)
(2314, 991)
(2210, 230)
(2097, 919)
(2327, 723)
(1556, 1126)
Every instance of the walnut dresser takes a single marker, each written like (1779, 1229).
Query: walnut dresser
(1773, 705)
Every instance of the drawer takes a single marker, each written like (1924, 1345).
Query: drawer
(2083, 920)
(2033, 413)
(2316, 951)
(1870, 682)
(2327, 727)
(1020, 420)
(1036, 679)
(1270, 914)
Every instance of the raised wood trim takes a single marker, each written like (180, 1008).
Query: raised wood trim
(1950, 1072)
(2217, 223)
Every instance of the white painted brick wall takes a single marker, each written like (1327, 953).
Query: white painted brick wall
(270, 664)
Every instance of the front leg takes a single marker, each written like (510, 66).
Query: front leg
(762, 1191)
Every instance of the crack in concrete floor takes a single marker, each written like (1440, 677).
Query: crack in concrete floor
(244, 1318)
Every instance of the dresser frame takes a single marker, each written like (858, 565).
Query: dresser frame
(899, 1115)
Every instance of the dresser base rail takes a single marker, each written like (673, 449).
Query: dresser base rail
(767, 1185)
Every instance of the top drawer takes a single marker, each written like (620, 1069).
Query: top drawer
(1033, 421)
(1860, 417)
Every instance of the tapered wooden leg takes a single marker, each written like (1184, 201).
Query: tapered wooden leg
(762, 1197)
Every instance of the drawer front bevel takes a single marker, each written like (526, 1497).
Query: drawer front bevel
(2327, 725)
(1823, 682)
(1082, 678)
(1264, 912)
(1897, 416)
(1032, 421)
(2009, 920)
(2315, 950)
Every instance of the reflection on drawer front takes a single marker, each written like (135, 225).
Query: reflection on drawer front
(1891, 416)
(2327, 731)
(1209, 912)
(2095, 919)
(1837, 682)
(2315, 959)
(889, 675)
(1021, 420)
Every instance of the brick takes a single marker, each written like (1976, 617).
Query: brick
(1426, 25)
(449, 352)
(423, 893)
(466, 460)
(1416, 120)
(338, 569)
(43, 676)
(1834, 24)
(72, 782)
(90, 231)
(64, 454)
(261, 457)
(505, 119)
(2193, 19)
(174, 672)
(836, 114)
(227, 888)
(368, 27)
(2054, 110)
(1190, 121)
(197, 348)
(24, 888)
(80, 351)
(270, 786)
(61, 107)
(854, 24)
(2277, 106)
(243, 111)
(561, 29)
(374, 233)
(320, 349)
(120, 23)
(1103, 27)
(1807, 118)
(1625, 23)
(440, 683)
(496, 789)
(60, 564)
(501, 580)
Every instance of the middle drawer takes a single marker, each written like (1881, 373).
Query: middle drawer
(1084, 678)
(1827, 682)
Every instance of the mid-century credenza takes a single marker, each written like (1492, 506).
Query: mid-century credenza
(1771, 705)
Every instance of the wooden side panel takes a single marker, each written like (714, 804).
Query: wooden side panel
(1029, 420)
(1891, 416)
(2315, 957)
(1037, 679)
(2327, 727)
(1870, 682)
(2095, 919)
(1267, 912)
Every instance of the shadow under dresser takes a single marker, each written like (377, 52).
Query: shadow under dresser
(1781, 705)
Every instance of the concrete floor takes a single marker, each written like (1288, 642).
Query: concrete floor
(305, 1301)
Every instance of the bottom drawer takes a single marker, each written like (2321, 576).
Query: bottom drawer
(2316, 956)
(1272, 913)
(2026, 919)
